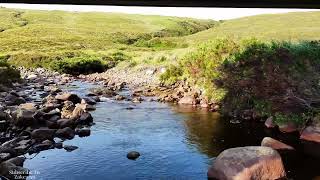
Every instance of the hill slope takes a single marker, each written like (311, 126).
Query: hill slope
(287, 26)
(34, 38)
(50, 30)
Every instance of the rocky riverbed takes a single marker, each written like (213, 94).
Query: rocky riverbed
(37, 114)
(307, 136)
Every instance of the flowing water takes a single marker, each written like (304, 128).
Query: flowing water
(174, 142)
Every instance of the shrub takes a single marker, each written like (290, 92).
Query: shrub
(157, 43)
(172, 74)
(279, 79)
(7, 73)
(79, 65)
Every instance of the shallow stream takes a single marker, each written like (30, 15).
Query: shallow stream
(174, 142)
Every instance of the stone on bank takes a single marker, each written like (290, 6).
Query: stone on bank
(246, 163)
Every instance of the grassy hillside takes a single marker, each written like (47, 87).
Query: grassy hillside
(287, 26)
(37, 38)
(54, 30)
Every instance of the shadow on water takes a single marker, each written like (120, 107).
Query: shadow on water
(212, 134)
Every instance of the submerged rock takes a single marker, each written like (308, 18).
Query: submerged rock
(83, 132)
(133, 155)
(137, 100)
(70, 148)
(245, 163)
(119, 97)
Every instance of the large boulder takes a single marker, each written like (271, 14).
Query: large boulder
(68, 97)
(78, 111)
(67, 109)
(188, 100)
(66, 133)
(85, 118)
(66, 123)
(23, 117)
(12, 171)
(275, 144)
(43, 134)
(246, 163)
(311, 133)
(28, 106)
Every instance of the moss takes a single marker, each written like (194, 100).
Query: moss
(297, 119)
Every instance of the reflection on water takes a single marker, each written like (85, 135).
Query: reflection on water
(174, 142)
(212, 134)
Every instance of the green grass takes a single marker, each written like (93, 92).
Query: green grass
(288, 26)
(278, 78)
(35, 38)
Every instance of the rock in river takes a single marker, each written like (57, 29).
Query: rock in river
(65, 123)
(133, 155)
(43, 134)
(245, 163)
(66, 132)
(83, 132)
(23, 117)
(275, 144)
(68, 97)
(89, 101)
(85, 118)
(311, 133)
(70, 148)
(189, 100)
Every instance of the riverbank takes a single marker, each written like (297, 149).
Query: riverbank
(40, 83)
(302, 140)
(37, 115)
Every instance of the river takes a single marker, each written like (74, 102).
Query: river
(175, 142)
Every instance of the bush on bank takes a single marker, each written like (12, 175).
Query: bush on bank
(279, 79)
(7, 73)
(71, 62)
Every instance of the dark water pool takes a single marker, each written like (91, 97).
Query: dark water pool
(174, 143)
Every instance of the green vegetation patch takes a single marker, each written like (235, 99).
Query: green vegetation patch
(7, 73)
(278, 79)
